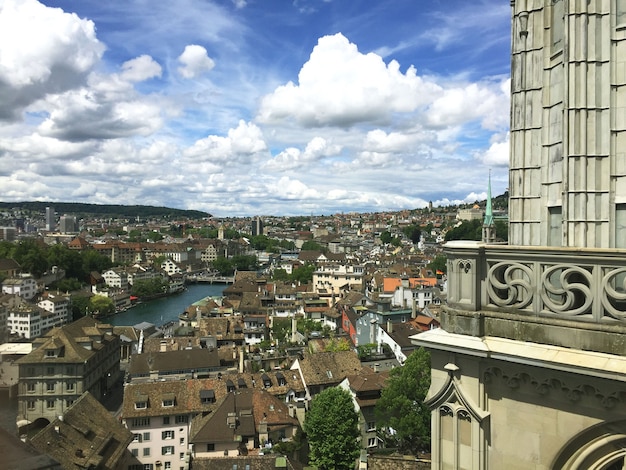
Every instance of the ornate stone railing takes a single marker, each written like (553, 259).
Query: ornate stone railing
(585, 285)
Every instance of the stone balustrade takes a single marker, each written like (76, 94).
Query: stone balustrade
(549, 286)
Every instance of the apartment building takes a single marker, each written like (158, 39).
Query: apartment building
(83, 356)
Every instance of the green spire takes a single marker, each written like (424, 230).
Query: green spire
(488, 222)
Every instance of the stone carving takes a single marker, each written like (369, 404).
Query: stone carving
(556, 387)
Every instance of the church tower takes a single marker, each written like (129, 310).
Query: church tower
(529, 367)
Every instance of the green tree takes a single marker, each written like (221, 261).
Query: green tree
(280, 274)
(149, 287)
(310, 245)
(94, 261)
(386, 237)
(245, 262)
(223, 265)
(439, 263)
(331, 426)
(303, 274)
(102, 305)
(401, 414)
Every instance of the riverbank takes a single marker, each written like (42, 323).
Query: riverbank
(166, 309)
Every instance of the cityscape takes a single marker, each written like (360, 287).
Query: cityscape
(477, 332)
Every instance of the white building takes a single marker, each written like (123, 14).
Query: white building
(25, 287)
(336, 278)
(116, 278)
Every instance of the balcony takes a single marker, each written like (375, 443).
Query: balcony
(551, 295)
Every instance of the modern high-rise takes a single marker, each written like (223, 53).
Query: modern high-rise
(529, 368)
(256, 226)
(68, 224)
(50, 219)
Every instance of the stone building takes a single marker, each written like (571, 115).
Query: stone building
(529, 368)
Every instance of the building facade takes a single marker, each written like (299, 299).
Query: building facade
(83, 356)
(529, 368)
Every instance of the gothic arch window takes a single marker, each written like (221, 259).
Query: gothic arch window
(455, 444)
(600, 447)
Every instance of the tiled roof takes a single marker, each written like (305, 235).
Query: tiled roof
(250, 408)
(170, 361)
(329, 367)
(85, 330)
(87, 436)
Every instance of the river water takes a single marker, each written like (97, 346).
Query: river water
(166, 309)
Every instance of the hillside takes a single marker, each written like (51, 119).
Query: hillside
(105, 210)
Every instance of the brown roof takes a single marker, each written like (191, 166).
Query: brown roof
(248, 407)
(172, 361)
(87, 436)
(71, 338)
(329, 367)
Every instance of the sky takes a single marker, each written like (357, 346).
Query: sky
(255, 107)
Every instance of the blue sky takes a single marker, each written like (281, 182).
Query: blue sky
(254, 107)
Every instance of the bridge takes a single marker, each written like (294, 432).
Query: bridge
(211, 279)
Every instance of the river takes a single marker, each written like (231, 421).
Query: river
(165, 309)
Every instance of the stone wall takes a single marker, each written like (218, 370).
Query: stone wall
(396, 462)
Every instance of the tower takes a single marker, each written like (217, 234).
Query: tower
(529, 368)
(50, 219)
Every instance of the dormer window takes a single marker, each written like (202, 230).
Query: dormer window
(51, 353)
(141, 402)
(207, 396)
(169, 400)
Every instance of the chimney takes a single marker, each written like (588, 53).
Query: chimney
(389, 327)
(413, 307)
(241, 359)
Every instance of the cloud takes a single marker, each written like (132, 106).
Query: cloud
(339, 86)
(291, 158)
(497, 154)
(42, 51)
(141, 68)
(243, 142)
(195, 61)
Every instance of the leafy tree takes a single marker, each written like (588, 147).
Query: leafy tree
(334, 345)
(32, 257)
(332, 430)
(245, 262)
(69, 260)
(386, 237)
(400, 412)
(67, 285)
(467, 230)
(100, 304)
(80, 306)
(413, 232)
(223, 265)
(439, 263)
(303, 274)
(280, 274)
(310, 245)
(149, 287)
(281, 329)
(94, 261)
(502, 230)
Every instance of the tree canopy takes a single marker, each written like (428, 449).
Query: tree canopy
(401, 415)
(332, 430)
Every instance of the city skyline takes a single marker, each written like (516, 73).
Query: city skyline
(241, 107)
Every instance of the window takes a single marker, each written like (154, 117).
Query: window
(371, 425)
(146, 436)
(371, 442)
(140, 405)
(166, 420)
(70, 386)
(30, 371)
(182, 419)
(136, 437)
(210, 447)
(69, 403)
(30, 387)
(50, 353)
(134, 452)
(31, 404)
(169, 434)
(182, 441)
(69, 370)
(146, 451)
(558, 25)
(147, 466)
(137, 422)
(182, 456)
(168, 402)
(168, 465)
(50, 386)
(50, 403)
(49, 370)
(167, 450)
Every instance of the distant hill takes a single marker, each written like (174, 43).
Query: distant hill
(105, 210)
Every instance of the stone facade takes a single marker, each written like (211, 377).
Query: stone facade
(529, 368)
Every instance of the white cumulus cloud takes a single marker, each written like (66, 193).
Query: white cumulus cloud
(140, 68)
(195, 61)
